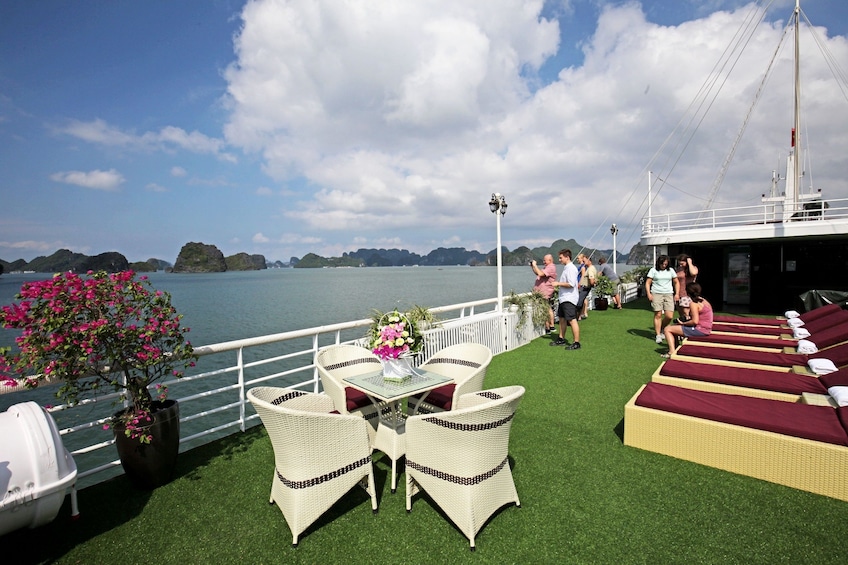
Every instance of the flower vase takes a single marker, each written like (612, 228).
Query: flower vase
(396, 369)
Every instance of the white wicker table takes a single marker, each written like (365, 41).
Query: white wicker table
(387, 396)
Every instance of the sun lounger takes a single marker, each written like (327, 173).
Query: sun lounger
(836, 333)
(819, 324)
(775, 383)
(806, 316)
(798, 445)
(737, 339)
(775, 331)
(838, 354)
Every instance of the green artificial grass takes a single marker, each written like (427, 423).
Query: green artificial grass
(585, 497)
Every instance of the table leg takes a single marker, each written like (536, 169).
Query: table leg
(390, 437)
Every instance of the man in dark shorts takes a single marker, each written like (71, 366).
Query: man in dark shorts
(568, 297)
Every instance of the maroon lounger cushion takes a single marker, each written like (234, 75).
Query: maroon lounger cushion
(831, 336)
(826, 322)
(818, 423)
(838, 354)
(753, 330)
(822, 338)
(760, 379)
(749, 321)
(355, 399)
(752, 340)
(806, 316)
(817, 313)
(441, 397)
(814, 327)
(744, 355)
(838, 378)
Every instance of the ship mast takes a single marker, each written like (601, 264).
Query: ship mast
(796, 126)
(792, 199)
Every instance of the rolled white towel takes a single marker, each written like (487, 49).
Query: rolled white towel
(795, 322)
(821, 366)
(839, 394)
(791, 314)
(807, 346)
(800, 333)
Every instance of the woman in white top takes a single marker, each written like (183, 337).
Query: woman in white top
(663, 291)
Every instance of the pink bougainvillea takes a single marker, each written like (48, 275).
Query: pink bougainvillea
(94, 332)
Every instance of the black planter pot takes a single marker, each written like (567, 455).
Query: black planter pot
(149, 465)
(601, 303)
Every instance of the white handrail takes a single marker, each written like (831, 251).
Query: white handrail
(213, 401)
(767, 213)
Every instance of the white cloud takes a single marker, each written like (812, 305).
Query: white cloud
(259, 238)
(153, 187)
(408, 116)
(100, 132)
(300, 239)
(35, 246)
(264, 191)
(178, 172)
(98, 180)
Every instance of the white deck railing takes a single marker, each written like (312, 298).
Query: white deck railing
(766, 213)
(213, 402)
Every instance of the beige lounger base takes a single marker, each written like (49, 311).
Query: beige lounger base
(799, 369)
(798, 463)
(723, 388)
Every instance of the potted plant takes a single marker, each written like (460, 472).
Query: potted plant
(534, 302)
(541, 307)
(637, 276)
(106, 332)
(603, 288)
(422, 317)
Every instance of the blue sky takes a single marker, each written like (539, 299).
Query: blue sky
(283, 128)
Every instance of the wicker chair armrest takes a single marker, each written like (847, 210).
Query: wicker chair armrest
(333, 388)
(315, 403)
(476, 398)
(473, 383)
(469, 400)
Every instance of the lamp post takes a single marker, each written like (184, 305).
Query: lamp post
(614, 232)
(498, 207)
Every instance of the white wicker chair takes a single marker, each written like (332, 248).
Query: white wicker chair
(460, 458)
(338, 362)
(318, 456)
(466, 364)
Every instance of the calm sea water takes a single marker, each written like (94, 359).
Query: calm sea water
(226, 306)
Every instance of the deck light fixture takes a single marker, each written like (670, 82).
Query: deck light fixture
(498, 204)
(614, 232)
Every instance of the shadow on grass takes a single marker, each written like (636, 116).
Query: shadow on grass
(111, 504)
(350, 501)
(423, 497)
(99, 513)
(647, 334)
(618, 430)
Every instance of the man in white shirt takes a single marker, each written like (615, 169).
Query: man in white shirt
(568, 297)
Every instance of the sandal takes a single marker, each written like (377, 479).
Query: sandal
(665, 355)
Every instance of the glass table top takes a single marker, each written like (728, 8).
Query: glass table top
(378, 386)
